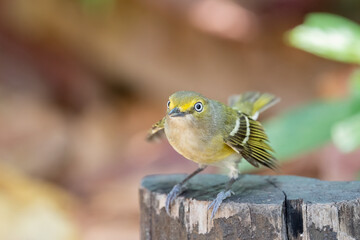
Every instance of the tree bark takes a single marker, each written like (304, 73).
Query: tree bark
(263, 207)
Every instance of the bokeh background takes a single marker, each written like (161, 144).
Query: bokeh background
(82, 81)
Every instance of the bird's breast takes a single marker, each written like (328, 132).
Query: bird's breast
(193, 143)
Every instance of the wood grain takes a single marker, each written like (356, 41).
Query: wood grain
(263, 207)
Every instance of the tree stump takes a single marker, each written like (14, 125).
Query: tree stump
(263, 207)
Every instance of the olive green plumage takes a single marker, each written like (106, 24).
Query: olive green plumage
(211, 133)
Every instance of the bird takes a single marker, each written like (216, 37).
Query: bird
(211, 133)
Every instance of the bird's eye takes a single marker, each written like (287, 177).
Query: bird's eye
(198, 106)
(168, 104)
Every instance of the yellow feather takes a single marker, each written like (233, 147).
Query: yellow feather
(186, 106)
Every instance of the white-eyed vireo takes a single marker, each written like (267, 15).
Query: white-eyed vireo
(211, 133)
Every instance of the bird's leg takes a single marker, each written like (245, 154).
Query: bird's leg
(215, 204)
(179, 188)
(221, 197)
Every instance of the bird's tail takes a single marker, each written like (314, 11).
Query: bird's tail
(252, 103)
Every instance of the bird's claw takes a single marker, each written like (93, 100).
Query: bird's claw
(175, 191)
(218, 200)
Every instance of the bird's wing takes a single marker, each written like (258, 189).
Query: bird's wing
(156, 131)
(252, 103)
(248, 138)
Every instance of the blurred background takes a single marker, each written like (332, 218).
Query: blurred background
(82, 81)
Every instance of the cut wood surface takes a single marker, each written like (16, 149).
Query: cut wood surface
(263, 207)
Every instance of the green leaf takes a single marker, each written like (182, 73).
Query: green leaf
(306, 128)
(346, 134)
(329, 36)
(354, 83)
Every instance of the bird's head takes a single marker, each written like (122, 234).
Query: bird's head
(185, 103)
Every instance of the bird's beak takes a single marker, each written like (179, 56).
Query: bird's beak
(175, 112)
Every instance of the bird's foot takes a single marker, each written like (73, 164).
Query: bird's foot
(175, 191)
(218, 200)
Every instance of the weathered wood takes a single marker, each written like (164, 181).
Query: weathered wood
(263, 207)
